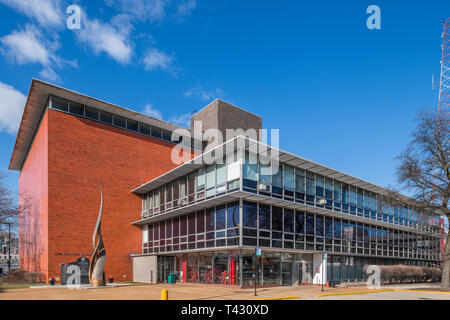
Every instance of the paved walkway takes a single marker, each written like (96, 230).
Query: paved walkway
(205, 292)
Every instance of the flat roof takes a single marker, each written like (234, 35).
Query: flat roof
(284, 157)
(35, 107)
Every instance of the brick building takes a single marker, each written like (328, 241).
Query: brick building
(201, 221)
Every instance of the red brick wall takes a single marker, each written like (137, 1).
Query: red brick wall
(33, 196)
(81, 155)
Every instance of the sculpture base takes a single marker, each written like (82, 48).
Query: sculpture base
(98, 283)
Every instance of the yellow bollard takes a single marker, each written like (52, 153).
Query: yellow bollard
(164, 294)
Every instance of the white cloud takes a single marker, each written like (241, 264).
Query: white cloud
(29, 46)
(12, 103)
(26, 47)
(143, 10)
(152, 112)
(155, 59)
(113, 39)
(184, 9)
(205, 95)
(46, 12)
(182, 120)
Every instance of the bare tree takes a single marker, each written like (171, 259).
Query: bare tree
(424, 170)
(9, 209)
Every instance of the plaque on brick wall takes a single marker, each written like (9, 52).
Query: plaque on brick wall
(75, 272)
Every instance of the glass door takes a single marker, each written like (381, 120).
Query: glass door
(286, 273)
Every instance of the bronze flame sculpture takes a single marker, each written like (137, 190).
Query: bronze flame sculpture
(97, 265)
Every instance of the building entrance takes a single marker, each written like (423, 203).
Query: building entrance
(286, 273)
(165, 266)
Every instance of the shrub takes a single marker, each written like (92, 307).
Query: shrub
(407, 274)
(21, 276)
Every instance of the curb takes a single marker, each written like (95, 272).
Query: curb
(278, 298)
(353, 293)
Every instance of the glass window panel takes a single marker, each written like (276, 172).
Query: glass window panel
(319, 226)
(299, 222)
(337, 228)
(233, 215)
(328, 188)
(183, 225)
(201, 179)
(210, 177)
(328, 227)
(106, 117)
(220, 218)
(191, 223)
(310, 183)
(91, 113)
(76, 108)
(249, 214)
(299, 180)
(200, 222)
(221, 174)
(288, 220)
(345, 193)
(337, 190)
(319, 185)
(309, 224)
(144, 128)
(289, 178)
(264, 217)
(277, 177)
(277, 219)
(210, 225)
(132, 125)
(119, 121)
(264, 175)
(250, 168)
(60, 104)
(352, 195)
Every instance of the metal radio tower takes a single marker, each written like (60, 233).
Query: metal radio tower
(444, 89)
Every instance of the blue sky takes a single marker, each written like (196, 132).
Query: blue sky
(341, 94)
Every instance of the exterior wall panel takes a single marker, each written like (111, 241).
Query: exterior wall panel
(83, 154)
(33, 198)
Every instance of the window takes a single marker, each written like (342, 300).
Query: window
(91, 113)
(250, 169)
(319, 185)
(299, 222)
(277, 219)
(264, 217)
(156, 132)
(220, 218)
(288, 220)
(345, 193)
(144, 129)
(337, 191)
(328, 227)
(210, 180)
(328, 188)
(106, 117)
(233, 215)
(221, 177)
(299, 180)
(309, 224)
(201, 179)
(132, 125)
(310, 184)
(249, 214)
(76, 108)
(289, 178)
(119, 121)
(319, 226)
(200, 222)
(60, 104)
